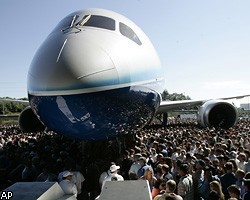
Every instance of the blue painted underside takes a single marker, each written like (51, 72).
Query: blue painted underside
(97, 116)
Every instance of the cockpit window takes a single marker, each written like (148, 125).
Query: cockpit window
(129, 33)
(98, 21)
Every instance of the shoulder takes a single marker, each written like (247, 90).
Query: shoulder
(119, 177)
(179, 197)
(161, 196)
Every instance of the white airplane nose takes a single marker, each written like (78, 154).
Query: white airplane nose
(70, 63)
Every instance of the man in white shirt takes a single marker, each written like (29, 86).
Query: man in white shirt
(67, 184)
(114, 176)
(77, 176)
(135, 165)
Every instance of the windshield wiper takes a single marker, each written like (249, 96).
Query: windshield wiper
(72, 25)
(84, 20)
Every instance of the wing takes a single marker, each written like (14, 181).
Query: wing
(166, 106)
(217, 113)
(15, 100)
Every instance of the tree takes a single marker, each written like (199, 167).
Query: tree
(11, 107)
(174, 96)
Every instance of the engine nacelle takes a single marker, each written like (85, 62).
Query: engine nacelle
(218, 114)
(28, 121)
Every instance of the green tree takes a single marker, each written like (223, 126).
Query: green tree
(11, 107)
(174, 96)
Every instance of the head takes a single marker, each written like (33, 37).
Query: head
(200, 164)
(142, 161)
(208, 173)
(216, 162)
(242, 157)
(149, 173)
(184, 169)
(246, 181)
(160, 184)
(153, 151)
(67, 175)
(234, 191)
(215, 186)
(239, 174)
(229, 167)
(133, 176)
(164, 169)
(170, 186)
(114, 168)
(171, 197)
(136, 157)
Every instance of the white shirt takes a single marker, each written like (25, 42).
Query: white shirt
(68, 187)
(134, 167)
(79, 181)
(77, 178)
(111, 176)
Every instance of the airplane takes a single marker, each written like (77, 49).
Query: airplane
(97, 76)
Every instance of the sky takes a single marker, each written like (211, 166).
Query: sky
(203, 45)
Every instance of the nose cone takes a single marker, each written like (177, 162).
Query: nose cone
(71, 62)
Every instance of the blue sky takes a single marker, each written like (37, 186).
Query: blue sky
(204, 45)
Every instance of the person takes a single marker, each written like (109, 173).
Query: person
(234, 191)
(216, 191)
(29, 172)
(143, 166)
(135, 166)
(170, 191)
(77, 176)
(113, 176)
(185, 186)
(159, 187)
(105, 173)
(165, 172)
(208, 178)
(149, 176)
(198, 177)
(227, 179)
(239, 175)
(153, 154)
(246, 182)
(67, 185)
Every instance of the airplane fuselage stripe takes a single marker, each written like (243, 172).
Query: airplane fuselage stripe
(92, 89)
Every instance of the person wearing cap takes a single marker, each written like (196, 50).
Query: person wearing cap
(77, 176)
(67, 184)
(113, 176)
(246, 181)
(143, 165)
(135, 166)
(105, 173)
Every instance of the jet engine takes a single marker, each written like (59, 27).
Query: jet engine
(218, 114)
(29, 122)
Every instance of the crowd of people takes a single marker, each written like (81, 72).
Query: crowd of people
(179, 161)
